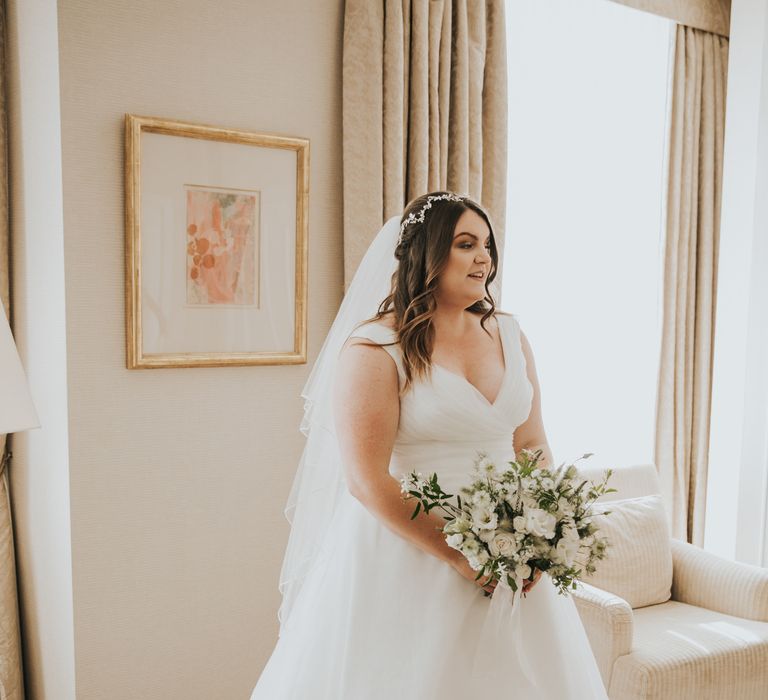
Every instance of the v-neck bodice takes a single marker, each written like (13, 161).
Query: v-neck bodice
(445, 419)
(466, 381)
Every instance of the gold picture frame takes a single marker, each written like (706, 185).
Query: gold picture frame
(216, 239)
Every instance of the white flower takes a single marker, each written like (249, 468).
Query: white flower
(486, 535)
(523, 570)
(519, 523)
(484, 518)
(455, 540)
(539, 522)
(481, 499)
(503, 544)
(570, 534)
(563, 507)
(547, 483)
(461, 524)
(478, 560)
(487, 467)
(567, 551)
(470, 546)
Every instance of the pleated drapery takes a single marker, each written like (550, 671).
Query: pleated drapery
(11, 683)
(708, 15)
(424, 108)
(695, 173)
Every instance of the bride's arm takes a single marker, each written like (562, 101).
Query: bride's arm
(530, 434)
(366, 411)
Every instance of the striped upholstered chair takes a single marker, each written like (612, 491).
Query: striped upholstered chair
(665, 619)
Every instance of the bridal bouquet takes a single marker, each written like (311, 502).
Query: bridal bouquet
(513, 520)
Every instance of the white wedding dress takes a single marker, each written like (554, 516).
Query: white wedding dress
(380, 619)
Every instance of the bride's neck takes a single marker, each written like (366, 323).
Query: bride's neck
(453, 322)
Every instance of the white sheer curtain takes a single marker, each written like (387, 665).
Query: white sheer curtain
(587, 111)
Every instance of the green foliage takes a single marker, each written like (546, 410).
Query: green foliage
(568, 498)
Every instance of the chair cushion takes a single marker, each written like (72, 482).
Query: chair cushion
(638, 559)
(689, 653)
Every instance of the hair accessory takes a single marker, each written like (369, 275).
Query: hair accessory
(414, 217)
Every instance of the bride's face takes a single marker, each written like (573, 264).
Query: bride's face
(462, 281)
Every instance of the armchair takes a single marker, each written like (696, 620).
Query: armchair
(703, 632)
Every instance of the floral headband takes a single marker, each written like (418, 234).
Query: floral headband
(418, 217)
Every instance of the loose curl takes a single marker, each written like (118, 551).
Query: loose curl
(423, 254)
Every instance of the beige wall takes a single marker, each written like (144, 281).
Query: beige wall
(179, 477)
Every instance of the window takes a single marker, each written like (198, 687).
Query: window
(584, 236)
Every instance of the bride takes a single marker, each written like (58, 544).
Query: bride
(420, 371)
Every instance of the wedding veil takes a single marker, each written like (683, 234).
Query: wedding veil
(319, 478)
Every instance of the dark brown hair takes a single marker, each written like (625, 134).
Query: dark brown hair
(422, 256)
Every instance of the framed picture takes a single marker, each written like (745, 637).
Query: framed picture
(216, 245)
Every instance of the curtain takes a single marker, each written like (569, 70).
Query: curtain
(11, 684)
(695, 168)
(424, 108)
(708, 15)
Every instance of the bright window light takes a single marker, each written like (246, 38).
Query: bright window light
(582, 265)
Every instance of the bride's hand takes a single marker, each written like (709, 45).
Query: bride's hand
(528, 583)
(462, 566)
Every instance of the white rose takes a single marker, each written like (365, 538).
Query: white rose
(523, 570)
(503, 544)
(519, 523)
(539, 522)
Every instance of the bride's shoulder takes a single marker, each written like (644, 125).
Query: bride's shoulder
(380, 331)
(370, 338)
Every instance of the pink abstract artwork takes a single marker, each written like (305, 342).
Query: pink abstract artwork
(221, 246)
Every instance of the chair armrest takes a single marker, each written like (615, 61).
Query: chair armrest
(710, 581)
(608, 621)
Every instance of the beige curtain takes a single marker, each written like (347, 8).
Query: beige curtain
(11, 684)
(708, 15)
(695, 167)
(424, 108)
